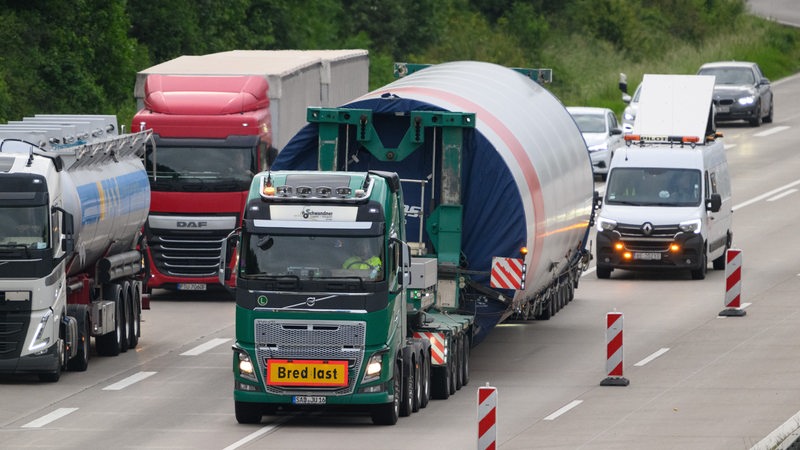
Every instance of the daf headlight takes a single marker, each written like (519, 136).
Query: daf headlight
(748, 100)
(374, 367)
(604, 224)
(690, 226)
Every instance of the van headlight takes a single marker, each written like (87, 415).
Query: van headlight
(690, 226)
(604, 224)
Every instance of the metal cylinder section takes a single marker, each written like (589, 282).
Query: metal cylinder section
(526, 177)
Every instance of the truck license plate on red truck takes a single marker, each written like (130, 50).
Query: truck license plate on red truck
(191, 286)
(314, 373)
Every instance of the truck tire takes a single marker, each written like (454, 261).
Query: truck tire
(465, 362)
(408, 387)
(109, 343)
(426, 379)
(247, 413)
(134, 319)
(441, 382)
(460, 363)
(388, 413)
(81, 360)
(124, 320)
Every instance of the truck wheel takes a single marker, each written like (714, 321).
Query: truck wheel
(418, 370)
(388, 413)
(109, 343)
(452, 364)
(408, 387)
(460, 364)
(124, 319)
(465, 362)
(55, 375)
(546, 310)
(134, 319)
(247, 412)
(81, 360)
(426, 380)
(441, 382)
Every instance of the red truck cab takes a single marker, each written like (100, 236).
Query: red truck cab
(211, 135)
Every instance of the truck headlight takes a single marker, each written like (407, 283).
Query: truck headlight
(245, 366)
(374, 367)
(40, 341)
(690, 226)
(604, 224)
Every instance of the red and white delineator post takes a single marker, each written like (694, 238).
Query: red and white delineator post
(733, 284)
(614, 351)
(487, 417)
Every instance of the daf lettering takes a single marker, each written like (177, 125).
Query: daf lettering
(192, 224)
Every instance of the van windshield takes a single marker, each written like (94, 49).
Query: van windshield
(653, 187)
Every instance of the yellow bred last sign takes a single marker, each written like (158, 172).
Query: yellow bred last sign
(311, 373)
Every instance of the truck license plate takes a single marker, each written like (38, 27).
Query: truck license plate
(647, 256)
(191, 286)
(309, 400)
(303, 372)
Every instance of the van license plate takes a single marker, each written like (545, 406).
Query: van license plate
(191, 286)
(309, 400)
(647, 256)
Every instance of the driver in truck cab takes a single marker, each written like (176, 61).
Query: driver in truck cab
(364, 259)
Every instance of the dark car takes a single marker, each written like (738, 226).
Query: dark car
(741, 91)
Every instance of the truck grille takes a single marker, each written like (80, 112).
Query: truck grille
(13, 328)
(186, 254)
(321, 340)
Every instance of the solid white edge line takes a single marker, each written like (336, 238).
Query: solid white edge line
(257, 434)
(53, 416)
(778, 434)
(655, 355)
(563, 410)
(771, 131)
(202, 348)
(122, 384)
(784, 194)
(766, 195)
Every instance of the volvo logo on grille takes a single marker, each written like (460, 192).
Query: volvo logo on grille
(310, 301)
(647, 228)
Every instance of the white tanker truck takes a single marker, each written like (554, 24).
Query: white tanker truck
(73, 198)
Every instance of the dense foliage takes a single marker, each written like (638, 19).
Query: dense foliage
(81, 56)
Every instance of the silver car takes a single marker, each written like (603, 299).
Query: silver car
(741, 92)
(629, 115)
(602, 135)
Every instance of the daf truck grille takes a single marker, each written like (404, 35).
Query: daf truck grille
(317, 340)
(187, 255)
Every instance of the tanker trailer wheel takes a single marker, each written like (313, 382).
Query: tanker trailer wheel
(388, 413)
(109, 344)
(247, 412)
(134, 318)
(81, 360)
(124, 321)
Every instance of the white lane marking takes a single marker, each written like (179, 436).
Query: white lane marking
(205, 347)
(779, 434)
(766, 195)
(257, 434)
(53, 416)
(135, 378)
(784, 194)
(729, 146)
(771, 131)
(651, 357)
(563, 410)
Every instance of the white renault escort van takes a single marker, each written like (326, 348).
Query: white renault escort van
(667, 201)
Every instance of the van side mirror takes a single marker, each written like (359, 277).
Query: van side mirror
(714, 203)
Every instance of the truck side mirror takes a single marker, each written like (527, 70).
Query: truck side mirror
(405, 264)
(224, 272)
(714, 203)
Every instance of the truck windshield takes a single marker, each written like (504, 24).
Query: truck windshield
(312, 257)
(653, 187)
(24, 226)
(214, 169)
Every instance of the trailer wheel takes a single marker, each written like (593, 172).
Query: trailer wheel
(546, 311)
(109, 343)
(124, 320)
(388, 413)
(81, 360)
(134, 319)
(441, 382)
(247, 412)
(460, 363)
(465, 362)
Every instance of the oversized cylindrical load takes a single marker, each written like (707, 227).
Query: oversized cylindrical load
(526, 177)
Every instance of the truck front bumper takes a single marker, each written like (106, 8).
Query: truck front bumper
(30, 364)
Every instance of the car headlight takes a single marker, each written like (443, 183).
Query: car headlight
(628, 116)
(604, 224)
(748, 100)
(690, 226)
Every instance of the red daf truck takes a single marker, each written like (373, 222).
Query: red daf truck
(217, 120)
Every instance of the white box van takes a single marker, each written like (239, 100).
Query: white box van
(667, 201)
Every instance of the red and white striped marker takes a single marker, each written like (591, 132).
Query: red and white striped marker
(733, 284)
(487, 417)
(614, 351)
(507, 273)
